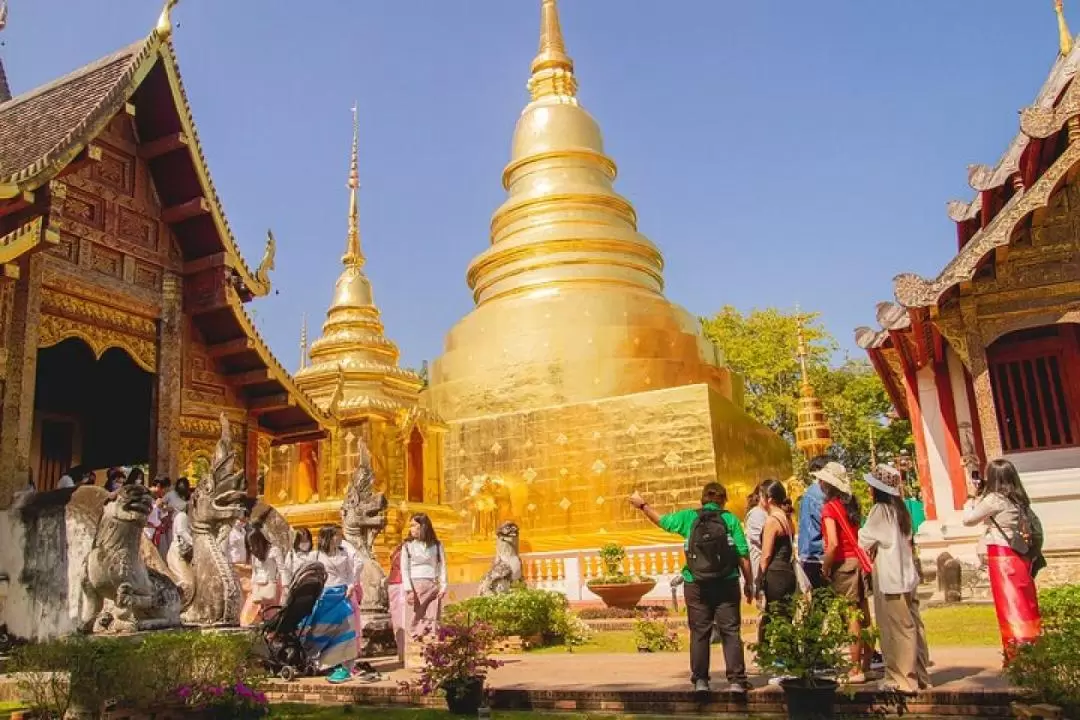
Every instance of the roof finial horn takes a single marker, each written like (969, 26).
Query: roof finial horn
(164, 26)
(1065, 38)
(353, 256)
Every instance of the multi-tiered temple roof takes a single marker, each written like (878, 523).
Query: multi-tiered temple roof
(49, 133)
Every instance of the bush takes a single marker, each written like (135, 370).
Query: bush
(652, 634)
(816, 638)
(609, 613)
(1049, 669)
(522, 611)
(141, 672)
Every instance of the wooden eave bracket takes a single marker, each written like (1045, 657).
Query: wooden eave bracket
(271, 403)
(230, 348)
(185, 211)
(163, 146)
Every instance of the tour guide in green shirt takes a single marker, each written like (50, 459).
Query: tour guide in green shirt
(712, 601)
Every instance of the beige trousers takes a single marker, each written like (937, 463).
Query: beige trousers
(903, 641)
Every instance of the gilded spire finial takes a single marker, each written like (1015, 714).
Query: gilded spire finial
(353, 256)
(552, 68)
(1065, 38)
(5, 90)
(164, 24)
(873, 448)
(801, 348)
(303, 340)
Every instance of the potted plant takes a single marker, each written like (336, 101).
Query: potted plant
(456, 660)
(812, 648)
(616, 588)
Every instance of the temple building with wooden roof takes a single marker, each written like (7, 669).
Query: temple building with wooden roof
(984, 358)
(123, 332)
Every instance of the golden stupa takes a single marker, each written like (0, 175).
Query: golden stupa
(812, 434)
(574, 381)
(352, 372)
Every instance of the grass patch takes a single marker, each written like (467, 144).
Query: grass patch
(961, 626)
(950, 626)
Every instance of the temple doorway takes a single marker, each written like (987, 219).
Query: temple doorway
(93, 412)
(416, 467)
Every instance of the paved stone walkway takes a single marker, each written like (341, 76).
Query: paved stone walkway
(955, 669)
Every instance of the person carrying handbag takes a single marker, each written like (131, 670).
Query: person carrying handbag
(423, 575)
(1012, 544)
(846, 565)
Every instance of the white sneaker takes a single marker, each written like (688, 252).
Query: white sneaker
(701, 686)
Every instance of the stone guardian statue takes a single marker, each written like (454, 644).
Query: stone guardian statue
(506, 567)
(363, 516)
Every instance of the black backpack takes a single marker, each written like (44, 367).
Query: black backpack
(710, 549)
(1028, 540)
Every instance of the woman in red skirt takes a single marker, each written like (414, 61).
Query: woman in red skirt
(1002, 505)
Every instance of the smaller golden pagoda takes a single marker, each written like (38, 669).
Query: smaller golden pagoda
(352, 372)
(812, 434)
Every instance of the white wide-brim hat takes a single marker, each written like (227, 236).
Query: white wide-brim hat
(836, 475)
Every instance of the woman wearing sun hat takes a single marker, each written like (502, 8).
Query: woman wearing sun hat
(845, 565)
(888, 537)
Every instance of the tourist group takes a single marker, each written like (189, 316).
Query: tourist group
(769, 558)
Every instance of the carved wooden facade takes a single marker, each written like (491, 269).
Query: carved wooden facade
(112, 234)
(985, 357)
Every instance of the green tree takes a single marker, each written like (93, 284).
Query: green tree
(762, 346)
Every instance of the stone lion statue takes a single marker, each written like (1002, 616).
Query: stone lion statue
(506, 568)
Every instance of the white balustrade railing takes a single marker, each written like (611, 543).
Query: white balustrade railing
(569, 571)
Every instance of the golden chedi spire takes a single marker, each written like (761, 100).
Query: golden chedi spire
(353, 354)
(1065, 37)
(812, 434)
(303, 340)
(5, 89)
(569, 295)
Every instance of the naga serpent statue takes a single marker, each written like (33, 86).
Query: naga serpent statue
(141, 598)
(363, 516)
(506, 568)
(219, 499)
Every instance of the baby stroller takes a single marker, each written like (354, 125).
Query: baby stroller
(282, 630)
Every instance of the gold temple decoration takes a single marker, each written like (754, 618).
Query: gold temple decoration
(1065, 38)
(566, 382)
(164, 26)
(552, 69)
(353, 344)
(5, 90)
(812, 434)
(303, 340)
(262, 274)
(352, 373)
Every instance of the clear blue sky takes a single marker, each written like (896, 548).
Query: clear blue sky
(775, 151)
